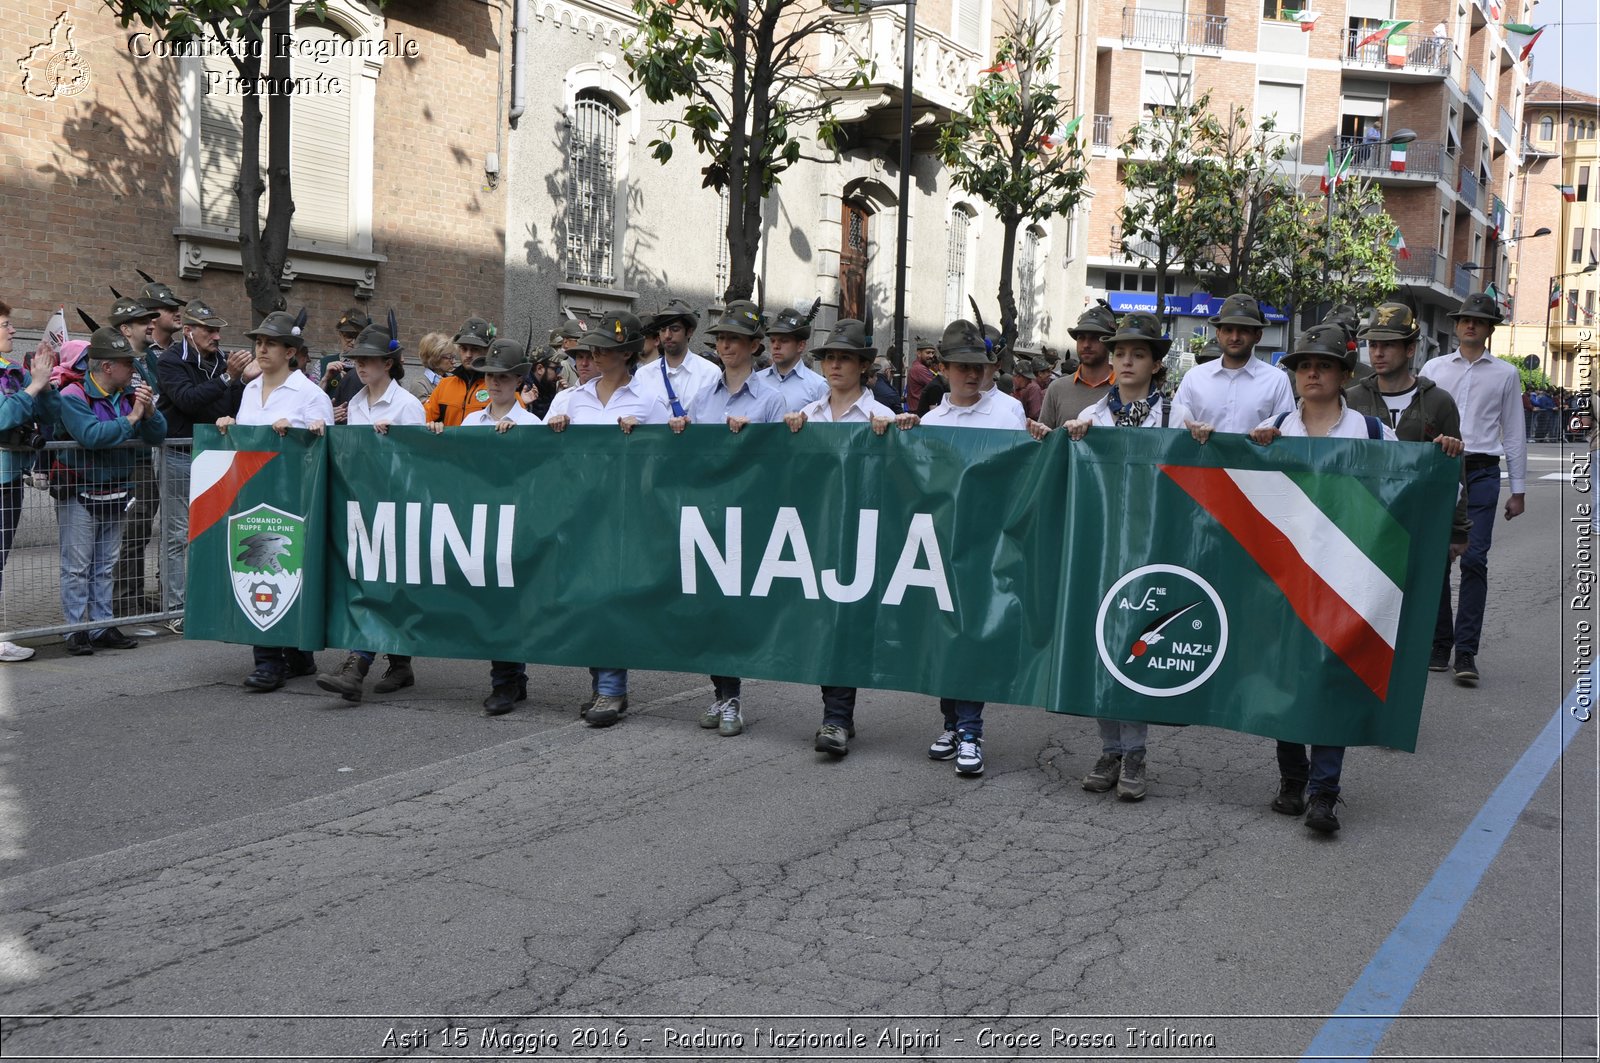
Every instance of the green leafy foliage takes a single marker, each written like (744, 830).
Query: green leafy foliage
(1017, 145)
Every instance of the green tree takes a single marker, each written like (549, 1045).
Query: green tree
(244, 29)
(1016, 147)
(1163, 217)
(746, 75)
(1310, 265)
(1238, 182)
(1532, 379)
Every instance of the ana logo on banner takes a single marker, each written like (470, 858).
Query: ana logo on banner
(1161, 630)
(266, 550)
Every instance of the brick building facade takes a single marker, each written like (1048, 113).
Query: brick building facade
(109, 145)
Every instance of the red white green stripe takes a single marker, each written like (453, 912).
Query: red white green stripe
(1332, 549)
(215, 480)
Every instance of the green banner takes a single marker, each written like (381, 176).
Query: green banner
(1287, 591)
(258, 537)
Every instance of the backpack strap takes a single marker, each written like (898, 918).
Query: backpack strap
(1166, 413)
(1374, 427)
(1282, 417)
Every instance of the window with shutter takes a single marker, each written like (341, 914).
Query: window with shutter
(1028, 285)
(955, 269)
(968, 29)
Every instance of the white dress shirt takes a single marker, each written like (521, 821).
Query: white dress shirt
(630, 400)
(519, 414)
(1350, 425)
(861, 411)
(1488, 392)
(297, 399)
(987, 412)
(800, 387)
(693, 376)
(398, 406)
(1234, 400)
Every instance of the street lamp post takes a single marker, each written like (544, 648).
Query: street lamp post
(903, 228)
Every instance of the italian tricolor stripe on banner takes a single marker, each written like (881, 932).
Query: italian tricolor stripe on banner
(215, 479)
(1332, 549)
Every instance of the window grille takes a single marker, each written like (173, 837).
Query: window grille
(724, 269)
(955, 270)
(591, 189)
(1027, 287)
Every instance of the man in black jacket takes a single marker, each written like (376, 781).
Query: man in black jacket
(199, 383)
(1416, 408)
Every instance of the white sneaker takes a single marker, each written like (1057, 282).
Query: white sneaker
(10, 651)
(144, 631)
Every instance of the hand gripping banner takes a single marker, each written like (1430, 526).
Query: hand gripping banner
(1287, 591)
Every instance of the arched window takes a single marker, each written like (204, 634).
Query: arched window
(592, 188)
(1547, 127)
(1028, 254)
(955, 269)
(1572, 128)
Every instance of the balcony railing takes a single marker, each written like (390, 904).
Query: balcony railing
(1425, 266)
(1507, 128)
(1423, 158)
(1468, 189)
(1102, 131)
(1423, 55)
(1173, 30)
(1475, 91)
(1464, 281)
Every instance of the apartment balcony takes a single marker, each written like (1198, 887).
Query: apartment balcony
(1102, 132)
(1424, 266)
(1425, 160)
(1468, 190)
(1170, 31)
(1425, 58)
(1463, 282)
(1477, 94)
(1506, 128)
(874, 41)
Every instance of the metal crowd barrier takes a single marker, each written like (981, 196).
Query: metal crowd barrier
(144, 591)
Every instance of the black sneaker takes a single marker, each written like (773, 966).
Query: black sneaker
(1319, 813)
(1291, 799)
(1466, 669)
(503, 698)
(113, 639)
(78, 644)
(264, 680)
(1439, 659)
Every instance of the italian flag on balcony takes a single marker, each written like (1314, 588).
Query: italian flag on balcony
(1337, 173)
(1397, 158)
(1386, 29)
(1521, 37)
(1395, 53)
(1398, 243)
(1555, 294)
(1307, 19)
(1568, 193)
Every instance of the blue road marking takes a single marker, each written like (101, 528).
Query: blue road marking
(1364, 1016)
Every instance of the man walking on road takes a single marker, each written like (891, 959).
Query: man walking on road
(1488, 392)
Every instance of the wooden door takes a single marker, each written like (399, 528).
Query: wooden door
(853, 261)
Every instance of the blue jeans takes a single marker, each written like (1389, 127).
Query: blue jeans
(1321, 769)
(1463, 628)
(726, 686)
(962, 716)
(10, 517)
(609, 682)
(1118, 737)
(175, 514)
(90, 542)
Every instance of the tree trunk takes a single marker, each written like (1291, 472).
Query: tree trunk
(263, 249)
(741, 245)
(1008, 295)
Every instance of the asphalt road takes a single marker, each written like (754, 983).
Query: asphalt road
(192, 870)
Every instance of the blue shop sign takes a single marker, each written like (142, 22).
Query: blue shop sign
(1199, 304)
